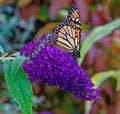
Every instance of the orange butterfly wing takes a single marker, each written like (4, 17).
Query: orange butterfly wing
(68, 33)
(74, 18)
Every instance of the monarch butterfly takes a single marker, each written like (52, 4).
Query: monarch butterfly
(68, 34)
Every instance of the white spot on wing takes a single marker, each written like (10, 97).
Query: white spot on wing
(77, 19)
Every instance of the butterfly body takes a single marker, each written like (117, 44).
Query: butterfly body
(67, 34)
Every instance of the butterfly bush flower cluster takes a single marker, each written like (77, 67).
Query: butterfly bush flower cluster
(48, 64)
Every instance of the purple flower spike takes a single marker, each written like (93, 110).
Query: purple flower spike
(51, 65)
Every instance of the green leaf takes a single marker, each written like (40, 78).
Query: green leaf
(99, 78)
(96, 34)
(7, 71)
(19, 86)
(44, 13)
(1, 50)
(16, 64)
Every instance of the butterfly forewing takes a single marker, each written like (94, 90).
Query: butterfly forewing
(73, 13)
(68, 33)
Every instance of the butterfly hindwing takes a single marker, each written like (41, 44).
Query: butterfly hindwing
(67, 34)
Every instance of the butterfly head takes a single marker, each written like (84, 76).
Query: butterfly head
(75, 53)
